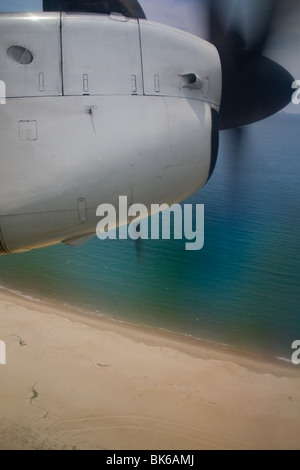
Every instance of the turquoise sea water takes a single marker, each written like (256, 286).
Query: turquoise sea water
(241, 289)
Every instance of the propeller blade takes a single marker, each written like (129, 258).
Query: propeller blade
(139, 249)
(129, 8)
(139, 245)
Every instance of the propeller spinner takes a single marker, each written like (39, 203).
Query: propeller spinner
(254, 87)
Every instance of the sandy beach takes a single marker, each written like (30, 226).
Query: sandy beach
(74, 381)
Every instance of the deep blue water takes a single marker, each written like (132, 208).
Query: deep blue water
(241, 289)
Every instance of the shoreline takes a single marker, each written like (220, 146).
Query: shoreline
(85, 381)
(184, 341)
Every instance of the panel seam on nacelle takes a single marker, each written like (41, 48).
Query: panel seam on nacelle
(141, 56)
(61, 55)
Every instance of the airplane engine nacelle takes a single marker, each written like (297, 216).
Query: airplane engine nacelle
(99, 107)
